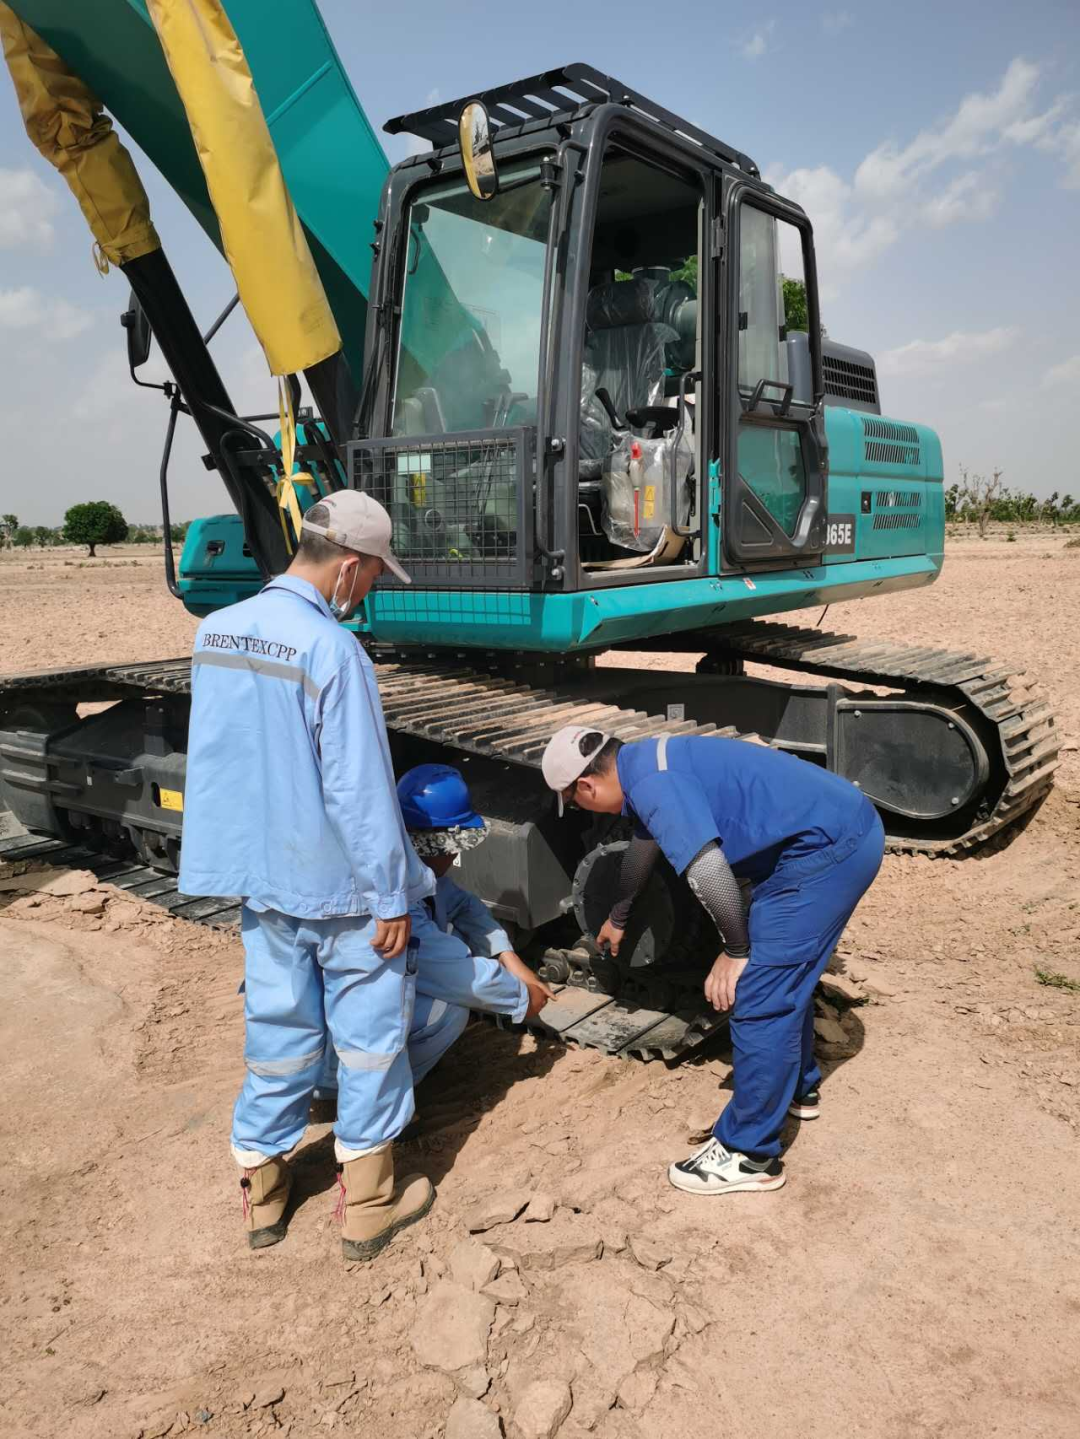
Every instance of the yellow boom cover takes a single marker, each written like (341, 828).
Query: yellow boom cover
(65, 120)
(261, 233)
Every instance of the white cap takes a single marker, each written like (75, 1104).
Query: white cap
(357, 522)
(563, 760)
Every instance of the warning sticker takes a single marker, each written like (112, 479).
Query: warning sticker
(170, 799)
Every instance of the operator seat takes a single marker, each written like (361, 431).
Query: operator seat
(625, 353)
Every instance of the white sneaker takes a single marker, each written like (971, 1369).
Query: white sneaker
(712, 1169)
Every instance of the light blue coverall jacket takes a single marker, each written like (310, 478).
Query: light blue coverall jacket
(290, 801)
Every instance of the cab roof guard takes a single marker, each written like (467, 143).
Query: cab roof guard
(513, 107)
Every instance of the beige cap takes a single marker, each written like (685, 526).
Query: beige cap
(357, 522)
(563, 761)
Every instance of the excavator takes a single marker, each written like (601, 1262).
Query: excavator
(554, 343)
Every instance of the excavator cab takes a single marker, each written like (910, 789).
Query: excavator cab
(579, 374)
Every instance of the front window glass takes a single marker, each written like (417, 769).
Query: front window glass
(469, 339)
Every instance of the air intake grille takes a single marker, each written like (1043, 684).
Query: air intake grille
(898, 520)
(887, 443)
(461, 507)
(848, 381)
(898, 499)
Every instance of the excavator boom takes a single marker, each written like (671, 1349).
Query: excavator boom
(332, 161)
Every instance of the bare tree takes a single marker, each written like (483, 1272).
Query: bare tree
(977, 496)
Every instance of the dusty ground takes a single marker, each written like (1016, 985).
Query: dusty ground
(918, 1276)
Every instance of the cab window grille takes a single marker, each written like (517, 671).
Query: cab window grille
(461, 507)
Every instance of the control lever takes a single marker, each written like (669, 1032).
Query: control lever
(612, 414)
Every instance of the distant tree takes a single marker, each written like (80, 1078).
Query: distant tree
(977, 496)
(93, 523)
(952, 502)
(8, 525)
(23, 537)
(178, 533)
(44, 536)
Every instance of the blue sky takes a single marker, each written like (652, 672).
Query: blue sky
(936, 148)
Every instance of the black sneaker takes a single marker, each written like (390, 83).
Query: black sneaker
(806, 1106)
(712, 1169)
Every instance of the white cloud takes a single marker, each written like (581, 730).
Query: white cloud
(845, 237)
(1067, 373)
(755, 47)
(53, 319)
(921, 357)
(980, 125)
(951, 172)
(1065, 143)
(971, 196)
(27, 206)
(836, 20)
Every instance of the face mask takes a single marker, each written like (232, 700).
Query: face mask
(338, 609)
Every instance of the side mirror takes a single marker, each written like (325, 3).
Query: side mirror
(477, 155)
(138, 330)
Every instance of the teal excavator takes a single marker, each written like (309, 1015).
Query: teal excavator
(554, 345)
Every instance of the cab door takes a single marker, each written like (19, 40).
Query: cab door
(773, 462)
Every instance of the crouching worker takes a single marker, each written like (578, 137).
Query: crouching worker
(809, 842)
(290, 803)
(465, 959)
(442, 824)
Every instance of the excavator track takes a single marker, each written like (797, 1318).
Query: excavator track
(495, 716)
(1017, 714)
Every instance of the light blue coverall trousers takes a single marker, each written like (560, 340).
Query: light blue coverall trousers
(443, 971)
(290, 803)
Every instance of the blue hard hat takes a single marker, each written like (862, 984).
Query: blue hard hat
(435, 796)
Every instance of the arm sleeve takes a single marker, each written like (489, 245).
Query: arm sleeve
(709, 876)
(474, 922)
(359, 794)
(638, 863)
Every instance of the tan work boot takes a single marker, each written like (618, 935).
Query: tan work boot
(266, 1194)
(372, 1208)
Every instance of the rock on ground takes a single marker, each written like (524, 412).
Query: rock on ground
(542, 1408)
(498, 1209)
(472, 1265)
(469, 1419)
(830, 1031)
(451, 1327)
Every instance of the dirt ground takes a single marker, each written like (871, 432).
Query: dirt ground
(918, 1276)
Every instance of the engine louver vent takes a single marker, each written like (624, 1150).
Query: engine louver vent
(847, 380)
(898, 520)
(898, 499)
(887, 443)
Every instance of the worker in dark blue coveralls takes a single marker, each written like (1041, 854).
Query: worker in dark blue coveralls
(809, 842)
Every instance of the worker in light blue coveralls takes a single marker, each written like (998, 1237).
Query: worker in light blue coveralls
(290, 803)
(811, 845)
